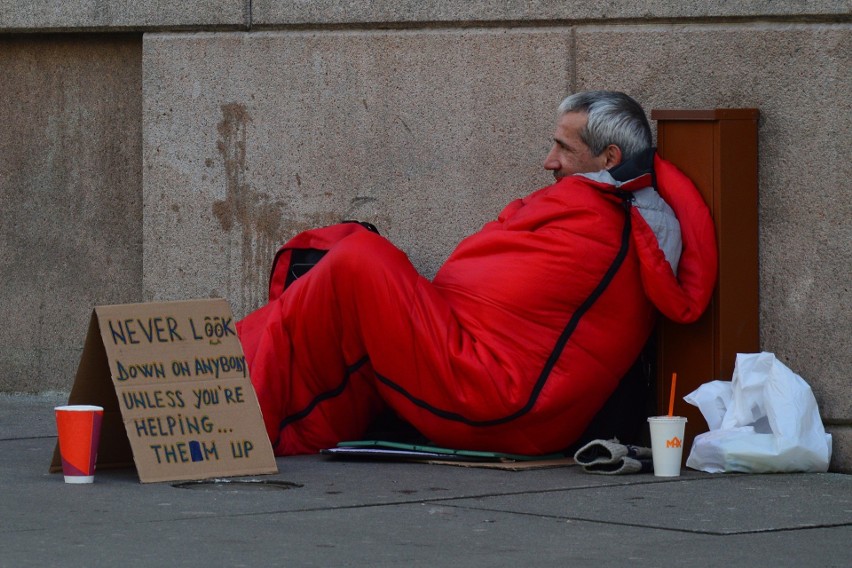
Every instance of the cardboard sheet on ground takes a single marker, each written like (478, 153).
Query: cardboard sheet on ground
(383, 450)
(176, 393)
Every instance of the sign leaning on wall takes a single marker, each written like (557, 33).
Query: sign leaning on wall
(173, 381)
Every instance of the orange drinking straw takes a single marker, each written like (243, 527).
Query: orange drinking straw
(671, 396)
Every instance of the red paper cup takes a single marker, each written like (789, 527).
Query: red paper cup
(79, 429)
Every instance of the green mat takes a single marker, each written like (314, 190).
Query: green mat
(378, 449)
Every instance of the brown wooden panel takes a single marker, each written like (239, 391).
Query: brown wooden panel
(737, 228)
(706, 114)
(717, 149)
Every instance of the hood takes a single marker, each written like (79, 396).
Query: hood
(680, 290)
(672, 232)
(637, 177)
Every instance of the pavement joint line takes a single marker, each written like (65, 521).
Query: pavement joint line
(502, 494)
(19, 531)
(656, 527)
(437, 500)
(448, 501)
(205, 517)
(26, 438)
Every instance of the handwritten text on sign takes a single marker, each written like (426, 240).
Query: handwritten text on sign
(182, 384)
(214, 330)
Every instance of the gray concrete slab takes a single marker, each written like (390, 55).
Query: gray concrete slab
(389, 514)
(317, 483)
(71, 195)
(141, 15)
(28, 415)
(726, 504)
(151, 15)
(273, 12)
(421, 534)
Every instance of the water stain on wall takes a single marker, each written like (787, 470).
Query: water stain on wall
(258, 223)
(254, 214)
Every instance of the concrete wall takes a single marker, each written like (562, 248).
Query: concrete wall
(70, 195)
(261, 118)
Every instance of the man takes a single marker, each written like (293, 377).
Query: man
(596, 130)
(526, 329)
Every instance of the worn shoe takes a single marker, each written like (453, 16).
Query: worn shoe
(621, 466)
(612, 454)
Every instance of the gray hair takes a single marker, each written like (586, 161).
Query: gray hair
(614, 118)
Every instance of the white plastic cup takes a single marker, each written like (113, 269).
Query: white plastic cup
(667, 444)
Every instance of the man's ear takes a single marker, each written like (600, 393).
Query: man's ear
(612, 153)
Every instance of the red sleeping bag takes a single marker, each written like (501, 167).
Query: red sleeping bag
(514, 346)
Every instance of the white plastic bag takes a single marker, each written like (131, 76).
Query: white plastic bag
(764, 420)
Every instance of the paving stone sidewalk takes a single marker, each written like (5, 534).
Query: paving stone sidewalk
(322, 512)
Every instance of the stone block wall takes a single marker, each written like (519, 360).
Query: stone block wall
(164, 151)
(70, 197)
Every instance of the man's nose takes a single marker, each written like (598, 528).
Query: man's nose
(550, 161)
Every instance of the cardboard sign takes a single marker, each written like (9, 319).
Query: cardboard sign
(177, 398)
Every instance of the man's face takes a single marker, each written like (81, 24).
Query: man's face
(570, 155)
